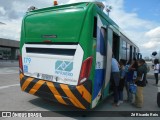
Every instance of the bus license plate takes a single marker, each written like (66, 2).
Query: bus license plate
(47, 77)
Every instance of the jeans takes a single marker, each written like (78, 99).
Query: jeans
(120, 95)
(156, 77)
(129, 94)
(115, 82)
(116, 96)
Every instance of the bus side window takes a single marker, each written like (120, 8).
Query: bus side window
(95, 28)
(131, 51)
(124, 50)
(103, 35)
(116, 45)
(134, 53)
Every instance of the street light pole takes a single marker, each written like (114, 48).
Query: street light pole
(108, 9)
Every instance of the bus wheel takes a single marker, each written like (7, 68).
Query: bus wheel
(158, 99)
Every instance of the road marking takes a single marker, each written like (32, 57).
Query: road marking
(3, 87)
(9, 70)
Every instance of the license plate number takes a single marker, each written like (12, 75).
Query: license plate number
(47, 77)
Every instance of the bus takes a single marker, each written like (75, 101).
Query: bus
(66, 52)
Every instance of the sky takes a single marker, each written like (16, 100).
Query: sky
(138, 19)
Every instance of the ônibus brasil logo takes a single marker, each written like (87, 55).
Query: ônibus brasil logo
(64, 68)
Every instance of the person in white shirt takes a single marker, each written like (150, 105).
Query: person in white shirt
(115, 79)
(156, 70)
(115, 65)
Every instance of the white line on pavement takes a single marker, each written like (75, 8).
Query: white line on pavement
(9, 73)
(3, 87)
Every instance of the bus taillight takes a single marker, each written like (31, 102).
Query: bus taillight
(20, 63)
(85, 70)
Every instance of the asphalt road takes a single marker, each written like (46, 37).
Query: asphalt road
(8, 63)
(13, 99)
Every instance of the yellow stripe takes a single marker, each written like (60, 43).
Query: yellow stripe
(55, 92)
(21, 76)
(86, 94)
(26, 83)
(71, 95)
(75, 104)
(36, 86)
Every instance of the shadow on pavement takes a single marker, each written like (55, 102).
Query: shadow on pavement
(60, 110)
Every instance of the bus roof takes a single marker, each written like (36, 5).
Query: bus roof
(84, 5)
(61, 7)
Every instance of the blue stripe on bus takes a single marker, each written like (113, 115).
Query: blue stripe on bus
(99, 78)
(99, 73)
(100, 42)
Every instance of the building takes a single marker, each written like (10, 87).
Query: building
(9, 49)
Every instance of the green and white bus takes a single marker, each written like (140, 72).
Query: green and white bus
(66, 51)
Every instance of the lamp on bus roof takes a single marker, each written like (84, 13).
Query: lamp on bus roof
(55, 2)
(31, 8)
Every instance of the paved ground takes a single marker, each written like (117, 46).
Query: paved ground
(13, 99)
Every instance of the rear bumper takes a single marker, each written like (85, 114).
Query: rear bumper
(78, 96)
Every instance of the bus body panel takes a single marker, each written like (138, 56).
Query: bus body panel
(40, 61)
(103, 61)
(78, 96)
(62, 25)
(100, 63)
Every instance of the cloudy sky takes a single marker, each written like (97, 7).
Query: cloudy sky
(139, 19)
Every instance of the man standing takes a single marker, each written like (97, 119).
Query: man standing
(156, 70)
(115, 79)
(141, 82)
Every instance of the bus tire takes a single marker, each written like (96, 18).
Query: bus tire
(158, 99)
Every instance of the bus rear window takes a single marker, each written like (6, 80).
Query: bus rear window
(52, 51)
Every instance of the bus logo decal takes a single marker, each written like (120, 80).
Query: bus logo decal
(64, 68)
